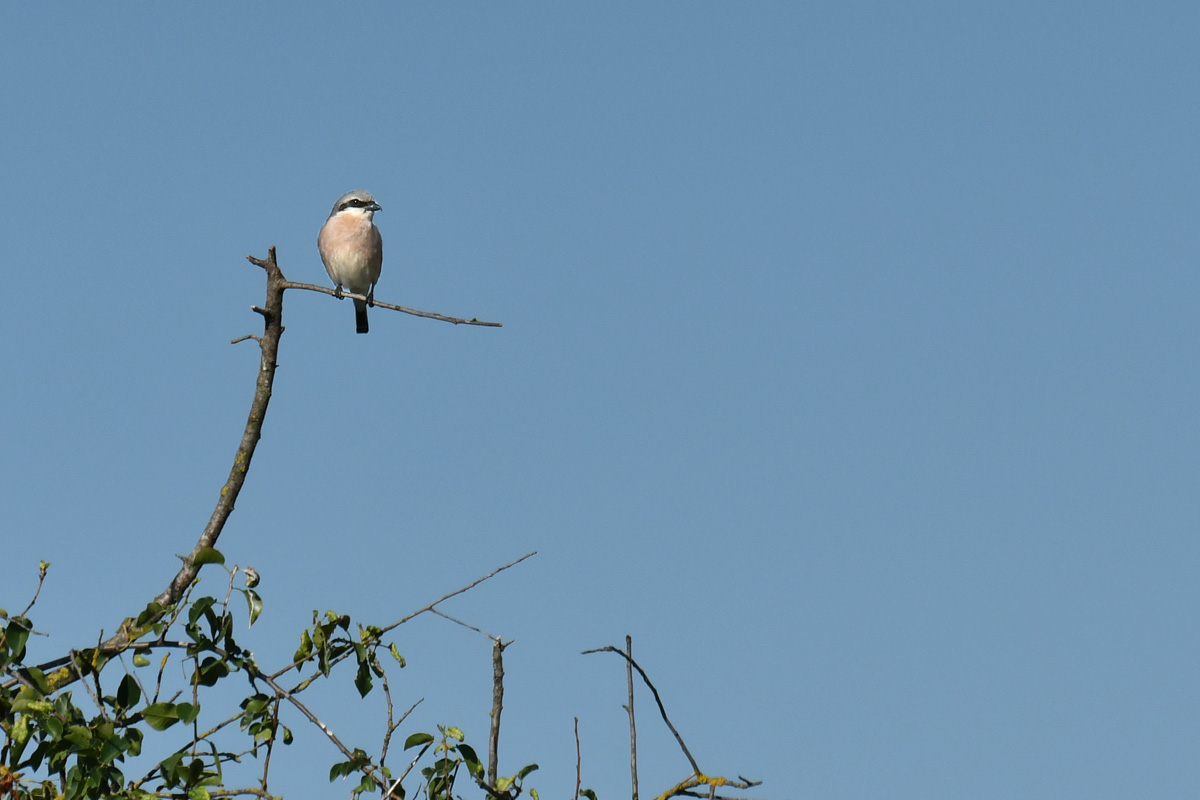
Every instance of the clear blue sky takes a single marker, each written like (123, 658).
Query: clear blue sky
(849, 363)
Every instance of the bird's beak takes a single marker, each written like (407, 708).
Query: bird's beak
(375, 207)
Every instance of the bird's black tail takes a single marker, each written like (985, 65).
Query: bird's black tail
(360, 315)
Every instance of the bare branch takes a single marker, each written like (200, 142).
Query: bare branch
(42, 567)
(684, 787)
(711, 793)
(303, 709)
(457, 621)
(92, 693)
(497, 706)
(379, 635)
(392, 726)
(312, 287)
(629, 708)
(578, 761)
(657, 699)
(457, 592)
(404, 775)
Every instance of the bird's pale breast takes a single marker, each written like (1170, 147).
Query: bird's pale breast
(352, 250)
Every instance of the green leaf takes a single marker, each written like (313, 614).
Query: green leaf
(526, 770)
(187, 712)
(19, 735)
(588, 793)
(455, 733)
(151, 611)
(396, 654)
(112, 749)
(253, 706)
(362, 680)
(211, 670)
(168, 766)
(217, 777)
(25, 705)
(416, 740)
(474, 765)
(78, 735)
(62, 705)
(255, 603)
(199, 607)
(38, 679)
(207, 555)
(304, 651)
(128, 693)
(160, 716)
(140, 660)
(198, 793)
(74, 780)
(286, 736)
(15, 635)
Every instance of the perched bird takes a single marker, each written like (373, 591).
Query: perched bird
(352, 249)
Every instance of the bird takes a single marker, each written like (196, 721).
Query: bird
(352, 250)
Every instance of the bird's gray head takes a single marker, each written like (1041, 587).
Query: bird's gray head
(357, 201)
